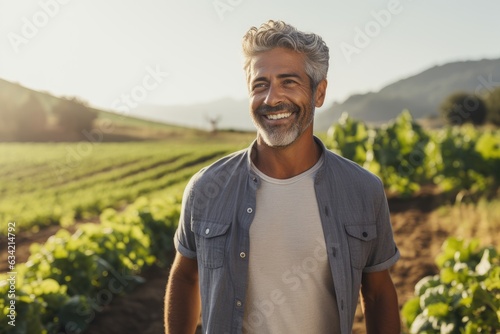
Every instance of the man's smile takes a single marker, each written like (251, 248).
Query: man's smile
(278, 116)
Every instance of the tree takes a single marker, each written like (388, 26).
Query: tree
(214, 123)
(460, 108)
(30, 119)
(31, 115)
(492, 100)
(8, 123)
(73, 115)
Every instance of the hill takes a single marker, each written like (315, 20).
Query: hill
(30, 115)
(421, 93)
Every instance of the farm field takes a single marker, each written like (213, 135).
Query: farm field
(420, 225)
(46, 188)
(51, 184)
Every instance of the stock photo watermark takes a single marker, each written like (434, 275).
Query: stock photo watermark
(472, 103)
(486, 84)
(32, 25)
(12, 273)
(462, 112)
(152, 80)
(363, 36)
(292, 279)
(127, 101)
(224, 6)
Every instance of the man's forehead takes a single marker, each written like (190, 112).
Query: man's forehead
(276, 62)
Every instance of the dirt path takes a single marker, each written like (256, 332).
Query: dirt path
(142, 310)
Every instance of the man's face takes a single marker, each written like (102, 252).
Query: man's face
(281, 99)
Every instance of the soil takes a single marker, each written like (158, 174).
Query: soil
(141, 311)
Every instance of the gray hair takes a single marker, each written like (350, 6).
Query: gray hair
(274, 34)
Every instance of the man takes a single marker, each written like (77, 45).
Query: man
(283, 236)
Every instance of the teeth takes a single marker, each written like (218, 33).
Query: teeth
(279, 116)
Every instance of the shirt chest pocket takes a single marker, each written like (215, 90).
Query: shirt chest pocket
(359, 237)
(211, 240)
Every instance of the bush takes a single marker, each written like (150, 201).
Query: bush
(492, 100)
(461, 108)
(350, 139)
(406, 156)
(463, 298)
(73, 115)
(73, 276)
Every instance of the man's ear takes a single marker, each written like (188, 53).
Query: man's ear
(319, 96)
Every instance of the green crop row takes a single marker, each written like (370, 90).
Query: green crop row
(111, 176)
(70, 278)
(464, 298)
(406, 156)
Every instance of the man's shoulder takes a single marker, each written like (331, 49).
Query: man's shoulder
(348, 171)
(226, 166)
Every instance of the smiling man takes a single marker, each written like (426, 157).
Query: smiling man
(284, 236)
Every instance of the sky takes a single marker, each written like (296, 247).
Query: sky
(117, 54)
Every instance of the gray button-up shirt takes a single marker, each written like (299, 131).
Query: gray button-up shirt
(218, 209)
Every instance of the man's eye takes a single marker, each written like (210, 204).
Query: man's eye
(259, 86)
(288, 82)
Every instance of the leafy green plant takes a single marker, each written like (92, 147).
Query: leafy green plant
(41, 306)
(158, 219)
(349, 138)
(463, 167)
(72, 276)
(463, 298)
(405, 156)
(488, 146)
(400, 149)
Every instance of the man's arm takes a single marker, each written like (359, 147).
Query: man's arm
(379, 302)
(182, 300)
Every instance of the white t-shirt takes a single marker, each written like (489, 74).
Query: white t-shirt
(290, 286)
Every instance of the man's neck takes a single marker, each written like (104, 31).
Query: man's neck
(286, 162)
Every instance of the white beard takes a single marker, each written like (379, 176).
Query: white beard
(283, 138)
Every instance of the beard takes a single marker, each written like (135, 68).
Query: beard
(281, 136)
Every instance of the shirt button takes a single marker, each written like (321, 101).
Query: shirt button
(207, 231)
(365, 234)
(243, 255)
(249, 210)
(239, 303)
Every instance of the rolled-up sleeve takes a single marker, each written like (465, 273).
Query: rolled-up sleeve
(384, 252)
(184, 240)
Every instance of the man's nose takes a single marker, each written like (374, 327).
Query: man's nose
(274, 96)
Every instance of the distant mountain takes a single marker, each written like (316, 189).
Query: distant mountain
(229, 113)
(421, 94)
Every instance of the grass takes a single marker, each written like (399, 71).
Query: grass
(471, 220)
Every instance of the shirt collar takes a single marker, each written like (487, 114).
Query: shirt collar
(256, 179)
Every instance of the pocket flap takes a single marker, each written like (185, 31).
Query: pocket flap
(362, 232)
(209, 229)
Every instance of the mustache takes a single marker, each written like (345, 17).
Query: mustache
(290, 107)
